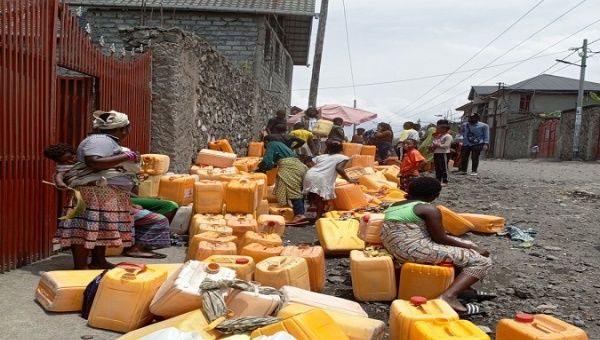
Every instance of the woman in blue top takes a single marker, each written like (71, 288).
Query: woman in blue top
(413, 232)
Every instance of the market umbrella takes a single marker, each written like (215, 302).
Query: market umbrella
(351, 116)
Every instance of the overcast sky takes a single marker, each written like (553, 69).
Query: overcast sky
(392, 40)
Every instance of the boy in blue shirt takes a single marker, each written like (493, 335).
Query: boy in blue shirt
(476, 139)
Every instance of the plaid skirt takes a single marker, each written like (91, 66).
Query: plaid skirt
(290, 176)
(107, 220)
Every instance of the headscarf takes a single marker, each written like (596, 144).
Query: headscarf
(115, 120)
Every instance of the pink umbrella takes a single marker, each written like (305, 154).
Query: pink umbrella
(350, 115)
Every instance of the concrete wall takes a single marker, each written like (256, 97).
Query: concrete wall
(199, 96)
(238, 37)
(589, 137)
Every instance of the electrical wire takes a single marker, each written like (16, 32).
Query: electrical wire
(462, 92)
(544, 50)
(510, 49)
(348, 47)
(498, 74)
(474, 55)
(428, 76)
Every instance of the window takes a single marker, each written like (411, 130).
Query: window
(524, 103)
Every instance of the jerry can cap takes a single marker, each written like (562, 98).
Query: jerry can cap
(241, 260)
(366, 218)
(448, 264)
(524, 317)
(418, 300)
(213, 268)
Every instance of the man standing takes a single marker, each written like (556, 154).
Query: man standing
(279, 119)
(476, 139)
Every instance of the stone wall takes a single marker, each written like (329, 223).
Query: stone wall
(589, 137)
(199, 96)
(238, 37)
(520, 137)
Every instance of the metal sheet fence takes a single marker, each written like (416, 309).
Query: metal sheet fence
(35, 37)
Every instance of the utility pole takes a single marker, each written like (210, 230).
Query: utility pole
(495, 122)
(579, 108)
(316, 70)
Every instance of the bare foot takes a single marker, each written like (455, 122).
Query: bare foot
(454, 303)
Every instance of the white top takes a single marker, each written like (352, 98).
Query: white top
(320, 179)
(444, 143)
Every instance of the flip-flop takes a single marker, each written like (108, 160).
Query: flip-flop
(149, 255)
(298, 223)
(472, 309)
(477, 295)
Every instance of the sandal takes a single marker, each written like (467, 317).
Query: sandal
(472, 309)
(298, 223)
(477, 295)
(146, 255)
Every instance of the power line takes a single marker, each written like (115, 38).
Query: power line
(546, 70)
(547, 48)
(462, 92)
(348, 47)
(512, 48)
(474, 55)
(428, 76)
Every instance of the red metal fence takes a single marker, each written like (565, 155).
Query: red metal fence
(38, 109)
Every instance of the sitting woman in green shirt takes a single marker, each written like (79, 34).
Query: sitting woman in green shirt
(413, 232)
(290, 174)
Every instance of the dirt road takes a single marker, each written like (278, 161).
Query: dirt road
(558, 275)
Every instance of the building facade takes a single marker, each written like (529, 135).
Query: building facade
(515, 112)
(264, 39)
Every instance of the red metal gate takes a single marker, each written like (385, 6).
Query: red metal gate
(35, 37)
(547, 137)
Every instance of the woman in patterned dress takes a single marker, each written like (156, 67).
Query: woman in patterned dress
(105, 187)
(413, 232)
(290, 174)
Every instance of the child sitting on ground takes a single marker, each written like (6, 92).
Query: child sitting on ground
(410, 163)
(319, 181)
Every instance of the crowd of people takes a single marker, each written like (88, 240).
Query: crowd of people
(413, 230)
(105, 173)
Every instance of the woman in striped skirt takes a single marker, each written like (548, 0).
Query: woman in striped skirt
(413, 232)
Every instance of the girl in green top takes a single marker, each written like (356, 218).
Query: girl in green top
(290, 174)
(413, 232)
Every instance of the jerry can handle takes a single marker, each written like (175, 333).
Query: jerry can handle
(131, 269)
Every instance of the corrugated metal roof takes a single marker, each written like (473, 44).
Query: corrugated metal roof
(287, 7)
(481, 90)
(548, 82)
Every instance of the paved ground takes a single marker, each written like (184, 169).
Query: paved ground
(24, 319)
(558, 275)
